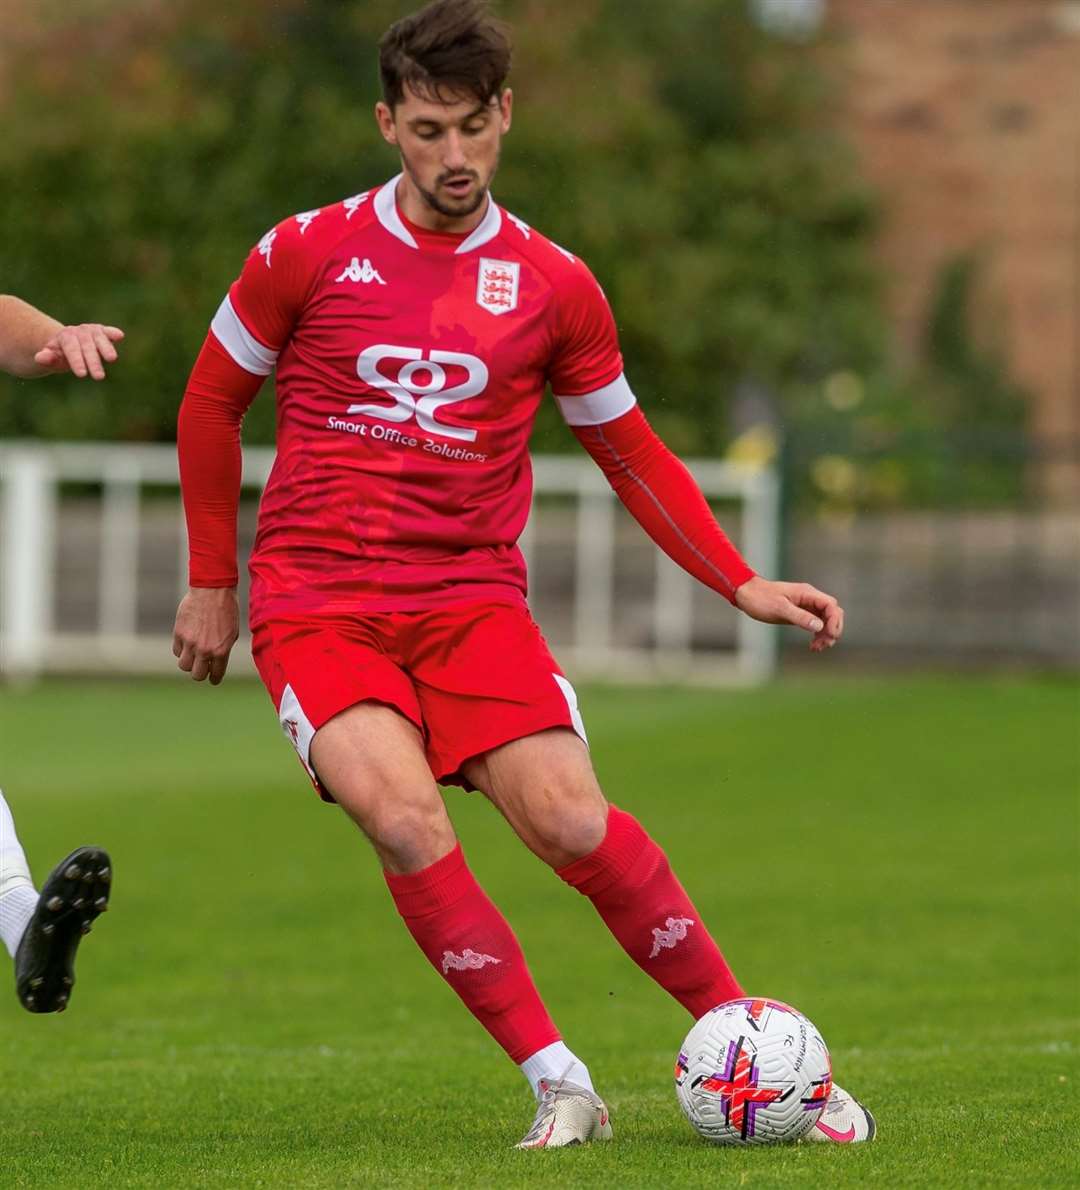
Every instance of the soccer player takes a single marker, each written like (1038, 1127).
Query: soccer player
(413, 329)
(42, 930)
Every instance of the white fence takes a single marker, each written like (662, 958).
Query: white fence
(575, 517)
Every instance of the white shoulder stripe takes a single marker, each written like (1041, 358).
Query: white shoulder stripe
(240, 343)
(596, 408)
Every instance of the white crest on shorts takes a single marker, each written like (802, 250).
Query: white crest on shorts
(497, 285)
(468, 960)
(296, 726)
(570, 694)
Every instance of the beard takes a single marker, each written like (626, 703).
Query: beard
(446, 205)
(459, 208)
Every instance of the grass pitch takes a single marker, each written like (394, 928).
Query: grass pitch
(897, 858)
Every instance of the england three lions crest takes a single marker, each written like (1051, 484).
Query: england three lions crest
(497, 285)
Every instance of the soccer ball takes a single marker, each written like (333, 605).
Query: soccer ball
(753, 1072)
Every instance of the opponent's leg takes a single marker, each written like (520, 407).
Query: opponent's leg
(545, 787)
(18, 897)
(43, 932)
(372, 760)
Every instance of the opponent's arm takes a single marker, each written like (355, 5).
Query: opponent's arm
(33, 344)
(662, 496)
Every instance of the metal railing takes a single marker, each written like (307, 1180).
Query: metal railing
(37, 520)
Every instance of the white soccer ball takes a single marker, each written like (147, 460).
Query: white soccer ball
(753, 1072)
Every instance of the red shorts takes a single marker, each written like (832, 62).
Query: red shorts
(470, 676)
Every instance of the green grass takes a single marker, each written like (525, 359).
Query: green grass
(897, 858)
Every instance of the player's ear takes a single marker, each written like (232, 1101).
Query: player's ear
(506, 107)
(384, 117)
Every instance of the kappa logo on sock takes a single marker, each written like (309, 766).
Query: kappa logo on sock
(468, 960)
(670, 937)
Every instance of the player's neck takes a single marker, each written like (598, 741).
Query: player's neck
(413, 207)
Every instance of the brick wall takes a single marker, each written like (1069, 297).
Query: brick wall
(967, 116)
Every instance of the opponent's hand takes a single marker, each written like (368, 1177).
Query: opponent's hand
(80, 350)
(793, 603)
(207, 625)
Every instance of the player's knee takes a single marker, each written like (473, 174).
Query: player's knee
(410, 836)
(567, 824)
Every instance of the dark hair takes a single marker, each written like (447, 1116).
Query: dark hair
(450, 47)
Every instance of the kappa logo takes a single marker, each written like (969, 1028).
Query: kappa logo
(670, 937)
(521, 225)
(468, 960)
(307, 218)
(352, 205)
(356, 271)
(266, 245)
(420, 387)
(497, 285)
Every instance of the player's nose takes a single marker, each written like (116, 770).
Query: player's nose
(454, 151)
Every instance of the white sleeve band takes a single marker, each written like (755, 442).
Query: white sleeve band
(240, 343)
(604, 405)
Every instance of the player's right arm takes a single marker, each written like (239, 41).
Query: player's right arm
(33, 344)
(249, 330)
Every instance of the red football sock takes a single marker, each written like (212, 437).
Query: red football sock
(630, 881)
(469, 941)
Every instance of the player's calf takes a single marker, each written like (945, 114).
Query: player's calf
(632, 887)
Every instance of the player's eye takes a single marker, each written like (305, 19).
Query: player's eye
(427, 132)
(475, 127)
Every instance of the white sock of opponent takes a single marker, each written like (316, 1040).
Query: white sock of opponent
(18, 897)
(555, 1062)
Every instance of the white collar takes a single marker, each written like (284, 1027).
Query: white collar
(388, 215)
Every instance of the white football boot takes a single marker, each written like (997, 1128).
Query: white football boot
(566, 1115)
(844, 1121)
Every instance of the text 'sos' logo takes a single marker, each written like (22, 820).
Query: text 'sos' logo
(419, 387)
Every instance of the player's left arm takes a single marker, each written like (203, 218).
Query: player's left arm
(655, 486)
(663, 497)
(34, 344)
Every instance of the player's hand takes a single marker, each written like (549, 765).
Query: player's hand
(83, 350)
(207, 625)
(793, 603)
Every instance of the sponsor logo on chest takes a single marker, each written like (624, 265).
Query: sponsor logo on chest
(497, 285)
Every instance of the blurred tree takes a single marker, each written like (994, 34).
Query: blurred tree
(687, 155)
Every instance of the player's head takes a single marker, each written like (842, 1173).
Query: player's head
(445, 106)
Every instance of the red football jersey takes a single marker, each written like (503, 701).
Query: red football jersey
(410, 366)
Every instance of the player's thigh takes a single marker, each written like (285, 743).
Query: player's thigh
(371, 759)
(545, 787)
(353, 718)
(484, 676)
